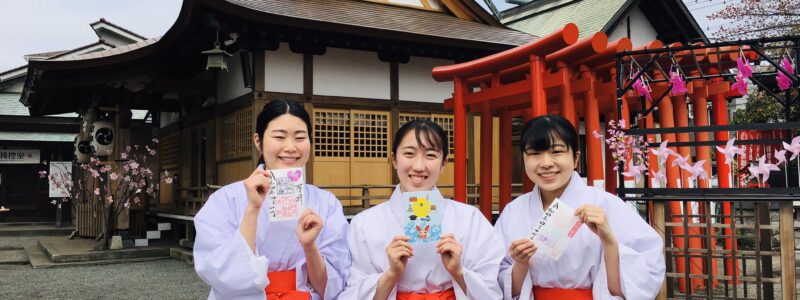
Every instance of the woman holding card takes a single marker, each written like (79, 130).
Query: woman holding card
(616, 255)
(418, 245)
(245, 250)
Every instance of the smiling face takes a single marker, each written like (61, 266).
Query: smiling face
(284, 143)
(418, 166)
(550, 169)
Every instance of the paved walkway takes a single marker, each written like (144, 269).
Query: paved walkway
(160, 279)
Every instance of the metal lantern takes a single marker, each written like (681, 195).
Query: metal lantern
(82, 150)
(217, 58)
(102, 137)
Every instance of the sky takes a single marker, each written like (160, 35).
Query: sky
(36, 26)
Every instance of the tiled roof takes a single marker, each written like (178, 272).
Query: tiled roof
(540, 19)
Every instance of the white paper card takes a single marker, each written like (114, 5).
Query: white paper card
(555, 230)
(286, 196)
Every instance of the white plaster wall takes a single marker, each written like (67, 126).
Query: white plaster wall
(230, 84)
(416, 83)
(351, 73)
(283, 71)
(642, 32)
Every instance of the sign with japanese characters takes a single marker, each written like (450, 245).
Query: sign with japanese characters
(19, 156)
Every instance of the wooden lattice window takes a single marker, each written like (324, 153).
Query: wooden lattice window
(237, 134)
(446, 122)
(370, 131)
(404, 118)
(168, 150)
(331, 133)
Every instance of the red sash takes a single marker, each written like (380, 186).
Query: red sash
(540, 293)
(443, 295)
(282, 286)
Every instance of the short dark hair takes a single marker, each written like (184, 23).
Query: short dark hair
(540, 133)
(432, 133)
(277, 108)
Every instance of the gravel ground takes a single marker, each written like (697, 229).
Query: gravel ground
(160, 279)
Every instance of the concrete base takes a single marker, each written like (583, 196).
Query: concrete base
(183, 254)
(65, 251)
(11, 229)
(13, 257)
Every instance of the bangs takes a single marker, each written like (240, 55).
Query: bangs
(428, 139)
(542, 133)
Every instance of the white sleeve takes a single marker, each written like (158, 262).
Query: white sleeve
(222, 257)
(332, 244)
(481, 261)
(641, 259)
(507, 263)
(364, 275)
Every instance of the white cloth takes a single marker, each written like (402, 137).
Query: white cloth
(225, 262)
(582, 265)
(372, 231)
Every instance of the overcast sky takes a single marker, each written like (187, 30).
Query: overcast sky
(35, 26)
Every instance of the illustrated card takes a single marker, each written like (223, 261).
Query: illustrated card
(424, 216)
(286, 194)
(555, 230)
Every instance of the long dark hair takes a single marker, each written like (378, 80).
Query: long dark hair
(540, 133)
(426, 130)
(277, 108)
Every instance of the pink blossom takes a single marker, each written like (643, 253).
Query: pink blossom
(42, 174)
(97, 191)
(168, 180)
(155, 140)
(123, 155)
(113, 176)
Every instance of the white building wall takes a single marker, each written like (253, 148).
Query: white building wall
(351, 73)
(283, 71)
(642, 32)
(417, 84)
(230, 84)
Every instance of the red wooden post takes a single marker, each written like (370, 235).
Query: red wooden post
(460, 140)
(486, 161)
(505, 158)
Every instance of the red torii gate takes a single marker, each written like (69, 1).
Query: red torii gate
(519, 81)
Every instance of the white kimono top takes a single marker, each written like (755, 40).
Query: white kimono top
(582, 266)
(372, 230)
(225, 262)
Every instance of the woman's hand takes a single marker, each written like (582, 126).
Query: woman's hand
(257, 186)
(521, 251)
(398, 252)
(595, 218)
(308, 227)
(450, 250)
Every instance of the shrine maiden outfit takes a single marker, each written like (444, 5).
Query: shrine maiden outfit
(582, 266)
(225, 262)
(372, 230)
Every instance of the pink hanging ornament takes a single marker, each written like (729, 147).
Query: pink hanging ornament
(678, 84)
(744, 67)
(741, 84)
(784, 82)
(641, 88)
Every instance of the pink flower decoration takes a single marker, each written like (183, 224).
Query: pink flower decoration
(741, 84)
(635, 171)
(597, 135)
(678, 84)
(730, 151)
(661, 177)
(794, 147)
(744, 67)
(680, 161)
(780, 156)
(784, 82)
(662, 152)
(697, 171)
(641, 88)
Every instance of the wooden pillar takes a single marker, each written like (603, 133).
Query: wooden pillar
(505, 158)
(460, 140)
(594, 158)
(485, 202)
(567, 100)
(538, 97)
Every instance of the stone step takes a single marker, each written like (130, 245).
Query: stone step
(54, 252)
(186, 243)
(35, 230)
(13, 257)
(183, 254)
